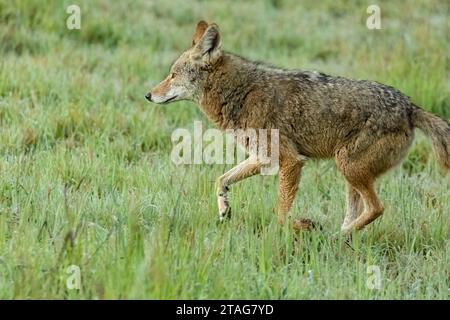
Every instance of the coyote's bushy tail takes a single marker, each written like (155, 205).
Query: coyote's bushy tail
(438, 130)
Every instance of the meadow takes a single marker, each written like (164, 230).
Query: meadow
(87, 184)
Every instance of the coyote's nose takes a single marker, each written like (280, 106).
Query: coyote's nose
(148, 96)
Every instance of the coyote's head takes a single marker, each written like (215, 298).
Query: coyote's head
(188, 74)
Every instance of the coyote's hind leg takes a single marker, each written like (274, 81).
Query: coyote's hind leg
(362, 161)
(354, 206)
(245, 169)
(372, 207)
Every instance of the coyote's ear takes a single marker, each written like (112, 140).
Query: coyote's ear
(209, 43)
(199, 31)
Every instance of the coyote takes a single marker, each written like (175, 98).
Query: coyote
(367, 127)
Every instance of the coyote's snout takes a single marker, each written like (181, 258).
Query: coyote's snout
(367, 127)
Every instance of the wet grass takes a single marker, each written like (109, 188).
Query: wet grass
(86, 177)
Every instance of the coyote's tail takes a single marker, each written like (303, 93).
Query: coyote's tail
(438, 130)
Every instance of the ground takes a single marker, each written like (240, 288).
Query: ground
(87, 183)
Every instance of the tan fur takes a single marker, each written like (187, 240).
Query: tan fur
(245, 169)
(289, 178)
(163, 86)
(199, 31)
(367, 127)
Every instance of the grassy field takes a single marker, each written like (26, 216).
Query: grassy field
(86, 177)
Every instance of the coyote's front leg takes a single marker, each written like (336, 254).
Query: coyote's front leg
(245, 169)
(289, 178)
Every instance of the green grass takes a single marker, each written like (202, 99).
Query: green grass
(86, 177)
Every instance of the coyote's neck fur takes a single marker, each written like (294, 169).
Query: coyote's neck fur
(228, 89)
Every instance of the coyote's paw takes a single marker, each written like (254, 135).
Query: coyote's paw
(346, 229)
(344, 239)
(305, 224)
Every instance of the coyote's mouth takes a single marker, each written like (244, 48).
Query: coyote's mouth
(170, 99)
